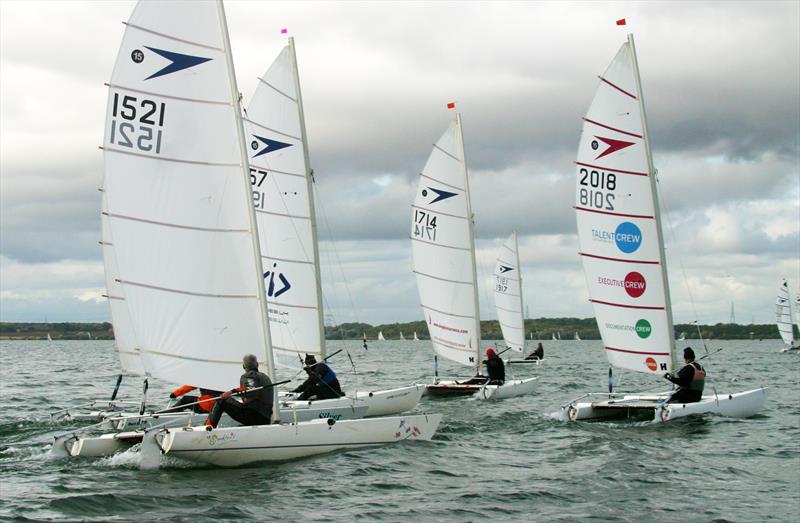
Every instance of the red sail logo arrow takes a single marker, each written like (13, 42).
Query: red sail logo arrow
(613, 145)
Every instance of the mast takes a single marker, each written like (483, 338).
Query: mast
(312, 209)
(651, 171)
(519, 274)
(262, 293)
(470, 225)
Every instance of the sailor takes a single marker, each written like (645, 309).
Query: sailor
(200, 404)
(690, 380)
(321, 384)
(256, 405)
(538, 354)
(494, 368)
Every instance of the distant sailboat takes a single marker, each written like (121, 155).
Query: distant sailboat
(380, 336)
(682, 337)
(402, 338)
(577, 336)
(783, 318)
(48, 337)
(558, 335)
(89, 334)
(554, 337)
(508, 295)
(415, 336)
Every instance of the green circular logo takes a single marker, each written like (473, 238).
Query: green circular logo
(643, 328)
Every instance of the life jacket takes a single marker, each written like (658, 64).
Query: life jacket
(206, 401)
(699, 379)
(329, 376)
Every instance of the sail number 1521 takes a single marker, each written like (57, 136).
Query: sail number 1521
(136, 123)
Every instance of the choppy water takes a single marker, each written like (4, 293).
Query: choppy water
(508, 460)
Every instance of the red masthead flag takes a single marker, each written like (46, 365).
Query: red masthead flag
(451, 105)
(621, 21)
(284, 30)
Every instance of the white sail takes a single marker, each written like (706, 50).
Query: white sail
(380, 336)
(124, 336)
(783, 314)
(443, 251)
(554, 337)
(284, 206)
(178, 197)
(618, 224)
(797, 310)
(415, 336)
(508, 294)
(402, 338)
(577, 336)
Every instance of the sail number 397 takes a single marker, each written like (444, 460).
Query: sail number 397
(595, 184)
(136, 123)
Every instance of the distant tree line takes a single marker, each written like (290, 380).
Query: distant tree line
(537, 329)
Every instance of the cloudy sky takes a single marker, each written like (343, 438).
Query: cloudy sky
(721, 80)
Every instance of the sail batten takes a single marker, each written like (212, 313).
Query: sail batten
(619, 230)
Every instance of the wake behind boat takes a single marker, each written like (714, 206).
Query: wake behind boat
(622, 250)
(443, 248)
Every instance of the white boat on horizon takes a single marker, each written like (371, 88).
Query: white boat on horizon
(622, 250)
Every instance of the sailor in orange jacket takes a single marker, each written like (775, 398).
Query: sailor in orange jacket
(206, 399)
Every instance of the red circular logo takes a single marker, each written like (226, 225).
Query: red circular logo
(635, 284)
(651, 364)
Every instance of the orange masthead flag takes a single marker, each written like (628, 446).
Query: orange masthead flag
(451, 105)
(621, 21)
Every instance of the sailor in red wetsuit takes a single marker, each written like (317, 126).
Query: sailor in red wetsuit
(201, 404)
(690, 380)
(494, 368)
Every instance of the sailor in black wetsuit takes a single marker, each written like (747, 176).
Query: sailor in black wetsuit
(538, 354)
(494, 368)
(690, 380)
(255, 407)
(321, 384)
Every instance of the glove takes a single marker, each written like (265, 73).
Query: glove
(667, 375)
(172, 396)
(226, 395)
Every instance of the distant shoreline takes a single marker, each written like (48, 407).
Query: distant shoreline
(541, 329)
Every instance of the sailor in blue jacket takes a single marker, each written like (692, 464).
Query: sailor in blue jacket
(321, 383)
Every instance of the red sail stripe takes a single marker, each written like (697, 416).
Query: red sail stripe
(614, 213)
(613, 128)
(628, 306)
(638, 352)
(609, 169)
(617, 259)
(620, 89)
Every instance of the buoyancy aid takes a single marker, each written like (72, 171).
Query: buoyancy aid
(698, 379)
(329, 376)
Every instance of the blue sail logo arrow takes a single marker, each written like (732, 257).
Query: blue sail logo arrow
(178, 62)
(440, 194)
(271, 145)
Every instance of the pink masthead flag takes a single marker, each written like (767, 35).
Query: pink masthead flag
(284, 31)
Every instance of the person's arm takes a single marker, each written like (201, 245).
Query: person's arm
(180, 391)
(683, 378)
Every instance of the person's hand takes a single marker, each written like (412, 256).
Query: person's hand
(226, 394)
(172, 396)
(667, 375)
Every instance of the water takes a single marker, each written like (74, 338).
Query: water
(507, 460)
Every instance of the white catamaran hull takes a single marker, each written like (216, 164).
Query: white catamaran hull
(739, 405)
(509, 389)
(242, 445)
(378, 403)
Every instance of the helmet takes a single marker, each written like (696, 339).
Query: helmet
(250, 362)
(490, 352)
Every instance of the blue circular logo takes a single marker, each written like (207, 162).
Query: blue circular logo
(628, 237)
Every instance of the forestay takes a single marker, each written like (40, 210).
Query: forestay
(508, 294)
(124, 336)
(619, 228)
(178, 199)
(783, 314)
(284, 207)
(443, 251)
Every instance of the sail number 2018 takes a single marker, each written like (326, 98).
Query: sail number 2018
(596, 183)
(136, 123)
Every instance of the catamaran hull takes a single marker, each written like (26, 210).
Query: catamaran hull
(243, 445)
(377, 403)
(509, 389)
(739, 405)
(791, 349)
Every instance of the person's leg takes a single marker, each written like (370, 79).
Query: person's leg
(216, 412)
(243, 414)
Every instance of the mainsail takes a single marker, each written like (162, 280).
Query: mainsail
(179, 201)
(124, 335)
(619, 227)
(444, 251)
(284, 206)
(508, 294)
(783, 314)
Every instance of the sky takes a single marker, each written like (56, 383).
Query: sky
(721, 81)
